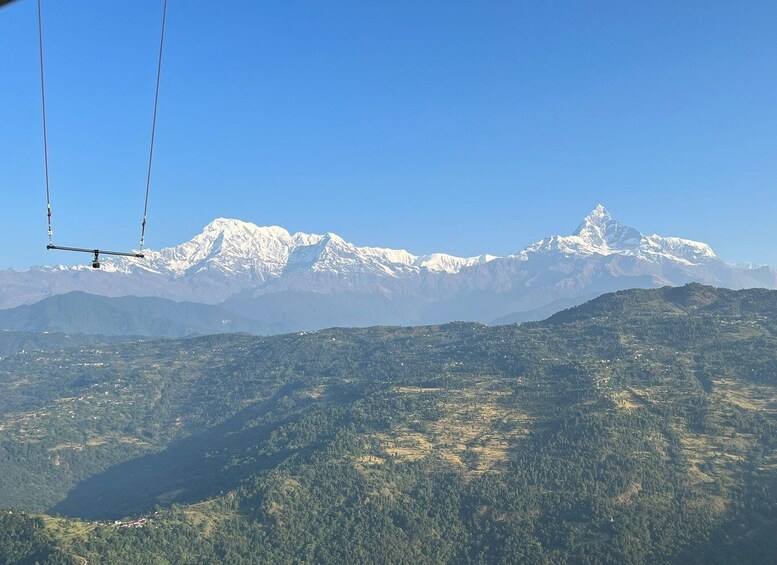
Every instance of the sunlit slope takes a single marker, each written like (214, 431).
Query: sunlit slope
(12, 342)
(639, 426)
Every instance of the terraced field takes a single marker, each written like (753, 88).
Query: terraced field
(639, 427)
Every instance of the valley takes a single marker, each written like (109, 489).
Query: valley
(639, 426)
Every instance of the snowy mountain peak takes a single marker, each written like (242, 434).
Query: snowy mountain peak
(600, 234)
(230, 257)
(333, 239)
(221, 224)
(599, 229)
(598, 216)
(256, 254)
(232, 228)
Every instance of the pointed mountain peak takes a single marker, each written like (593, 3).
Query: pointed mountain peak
(599, 216)
(599, 229)
(600, 212)
(334, 238)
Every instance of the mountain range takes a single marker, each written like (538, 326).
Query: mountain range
(238, 276)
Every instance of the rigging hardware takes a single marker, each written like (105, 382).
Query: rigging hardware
(97, 252)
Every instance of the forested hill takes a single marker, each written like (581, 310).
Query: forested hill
(639, 427)
(17, 342)
(691, 300)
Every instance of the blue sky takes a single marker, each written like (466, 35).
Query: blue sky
(464, 127)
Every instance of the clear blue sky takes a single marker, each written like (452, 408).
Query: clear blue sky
(464, 127)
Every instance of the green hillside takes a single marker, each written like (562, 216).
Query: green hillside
(639, 427)
(18, 342)
(82, 313)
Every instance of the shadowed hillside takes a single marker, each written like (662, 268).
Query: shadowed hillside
(641, 426)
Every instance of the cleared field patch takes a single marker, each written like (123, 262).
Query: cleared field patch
(714, 457)
(626, 497)
(416, 389)
(370, 460)
(715, 504)
(748, 396)
(471, 428)
(99, 441)
(207, 515)
(407, 445)
(29, 427)
(68, 530)
(625, 400)
(313, 392)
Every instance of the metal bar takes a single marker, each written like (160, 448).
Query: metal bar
(96, 251)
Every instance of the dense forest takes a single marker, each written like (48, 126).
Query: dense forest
(639, 427)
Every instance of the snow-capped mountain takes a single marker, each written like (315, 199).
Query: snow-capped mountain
(299, 281)
(243, 249)
(600, 234)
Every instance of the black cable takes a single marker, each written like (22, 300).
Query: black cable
(153, 125)
(45, 130)
(45, 134)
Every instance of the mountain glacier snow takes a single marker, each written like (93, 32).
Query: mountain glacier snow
(305, 281)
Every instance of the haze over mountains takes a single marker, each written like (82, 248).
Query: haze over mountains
(237, 276)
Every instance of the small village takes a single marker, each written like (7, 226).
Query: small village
(139, 523)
